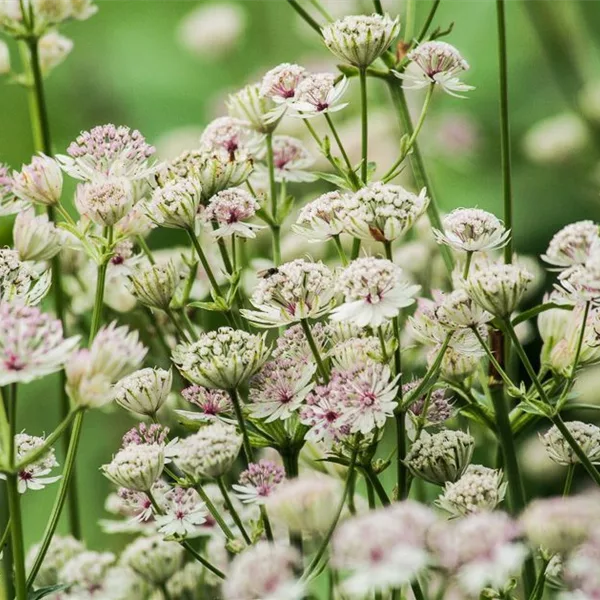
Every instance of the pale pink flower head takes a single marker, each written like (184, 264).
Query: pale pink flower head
(437, 63)
(323, 218)
(279, 388)
(21, 282)
(184, 514)
(374, 291)
(227, 134)
(36, 238)
(136, 466)
(291, 160)
(39, 182)
(104, 201)
(582, 281)
(32, 344)
(212, 403)
(9, 203)
(146, 434)
(481, 550)
(382, 549)
(318, 94)
(281, 82)
(581, 571)
(572, 245)
(231, 209)
(264, 571)
(108, 151)
(35, 475)
(258, 481)
(259, 112)
(292, 344)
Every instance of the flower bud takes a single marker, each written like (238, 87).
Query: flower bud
(106, 201)
(154, 285)
(586, 435)
(136, 467)
(144, 391)
(210, 452)
(249, 105)
(479, 489)
(440, 457)
(153, 558)
(39, 182)
(53, 49)
(175, 205)
(36, 238)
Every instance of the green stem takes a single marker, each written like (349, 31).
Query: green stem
(323, 371)
(364, 120)
(586, 311)
(468, 260)
(321, 9)
(493, 359)
(428, 21)
(183, 336)
(538, 590)
(100, 285)
(340, 250)
(325, 543)
(409, 21)
(60, 498)
(204, 261)
(536, 310)
(351, 174)
(235, 399)
(378, 7)
(392, 172)
(294, 4)
(146, 249)
(569, 479)
(505, 128)
(418, 166)
(290, 463)
(4, 538)
(212, 509)
(377, 486)
(231, 508)
(356, 243)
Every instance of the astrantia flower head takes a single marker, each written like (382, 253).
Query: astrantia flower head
(175, 205)
(322, 218)
(108, 151)
(279, 388)
(432, 409)
(472, 230)
(382, 549)
(456, 364)
(222, 358)
(560, 524)
(586, 435)
(480, 550)
(155, 559)
(361, 39)
(264, 571)
(498, 288)
(572, 245)
(31, 344)
(212, 403)
(53, 50)
(216, 170)
(184, 513)
(35, 475)
(582, 282)
(36, 238)
(144, 391)
(281, 82)
(293, 344)
(581, 570)
(383, 212)
(437, 63)
(21, 282)
(9, 203)
(479, 489)
(374, 291)
(104, 201)
(210, 452)
(60, 551)
(458, 310)
(440, 457)
(291, 160)
(136, 467)
(318, 94)
(40, 182)
(227, 134)
(84, 573)
(154, 285)
(231, 209)
(307, 503)
(258, 481)
(356, 352)
(258, 111)
(297, 290)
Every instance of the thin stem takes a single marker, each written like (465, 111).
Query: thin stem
(377, 485)
(468, 261)
(418, 166)
(378, 7)
(586, 311)
(323, 548)
(569, 479)
(356, 243)
(505, 128)
(294, 4)
(290, 463)
(409, 20)
(492, 358)
(145, 249)
(538, 590)
(173, 318)
(392, 172)
(60, 498)
(5, 534)
(340, 250)
(323, 371)
(321, 9)
(212, 509)
(235, 399)
(351, 173)
(266, 523)
(232, 511)
(204, 261)
(364, 120)
(100, 284)
(428, 21)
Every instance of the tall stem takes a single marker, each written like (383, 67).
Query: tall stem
(364, 120)
(351, 174)
(505, 127)
(231, 508)
(409, 20)
(275, 229)
(100, 285)
(323, 371)
(204, 261)
(418, 166)
(569, 479)
(235, 399)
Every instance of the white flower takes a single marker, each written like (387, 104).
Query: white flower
(582, 281)
(144, 391)
(155, 559)
(35, 475)
(438, 63)
(573, 244)
(9, 203)
(40, 182)
(383, 212)
(154, 285)
(184, 514)
(258, 111)
(60, 551)
(318, 94)
(175, 205)
(258, 481)
(31, 344)
(374, 291)
(281, 82)
(587, 436)
(104, 201)
(323, 218)
(230, 209)
(228, 134)
(291, 160)
(472, 230)
(136, 467)
(361, 39)
(21, 282)
(458, 310)
(36, 238)
(53, 49)
(84, 573)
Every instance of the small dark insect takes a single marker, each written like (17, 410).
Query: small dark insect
(266, 273)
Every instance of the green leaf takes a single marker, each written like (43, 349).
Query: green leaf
(46, 591)
(219, 305)
(335, 179)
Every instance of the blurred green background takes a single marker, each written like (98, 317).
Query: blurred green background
(129, 66)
